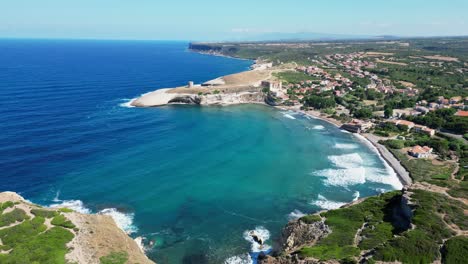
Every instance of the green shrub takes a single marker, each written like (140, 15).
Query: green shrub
(66, 210)
(16, 215)
(6, 205)
(115, 258)
(61, 220)
(395, 143)
(455, 250)
(345, 222)
(44, 213)
(309, 219)
(414, 247)
(329, 252)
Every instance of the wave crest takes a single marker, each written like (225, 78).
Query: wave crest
(261, 233)
(240, 259)
(75, 205)
(123, 220)
(326, 204)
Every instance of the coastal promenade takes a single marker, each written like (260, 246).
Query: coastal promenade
(402, 173)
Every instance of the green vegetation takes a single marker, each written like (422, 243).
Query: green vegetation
(61, 220)
(421, 245)
(31, 242)
(114, 258)
(319, 102)
(455, 250)
(6, 205)
(442, 118)
(371, 215)
(44, 213)
(294, 76)
(382, 226)
(309, 219)
(65, 210)
(422, 169)
(16, 215)
(363, 113)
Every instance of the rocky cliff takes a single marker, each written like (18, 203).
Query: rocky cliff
(33, 234)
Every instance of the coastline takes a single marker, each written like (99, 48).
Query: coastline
(173, 96)
(385, 155)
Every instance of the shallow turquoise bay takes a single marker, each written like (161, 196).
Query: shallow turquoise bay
(190, 180)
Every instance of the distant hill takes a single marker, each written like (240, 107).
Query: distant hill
(299, 36)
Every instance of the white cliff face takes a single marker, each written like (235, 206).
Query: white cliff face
(162, 97)
(156, 98)
(232, 98)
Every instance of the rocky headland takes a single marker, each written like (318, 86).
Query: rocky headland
(30, 233)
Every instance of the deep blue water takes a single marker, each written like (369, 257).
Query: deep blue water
(192, 180)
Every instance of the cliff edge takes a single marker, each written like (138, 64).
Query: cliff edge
(33, 234)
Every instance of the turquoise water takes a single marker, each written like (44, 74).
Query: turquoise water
(190, 180)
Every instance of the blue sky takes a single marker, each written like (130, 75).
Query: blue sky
(221, 20)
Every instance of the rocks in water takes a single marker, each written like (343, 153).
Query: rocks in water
(297, 234)
(186, 99)
(256, 237)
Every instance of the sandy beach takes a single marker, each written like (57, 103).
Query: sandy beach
(387, 156)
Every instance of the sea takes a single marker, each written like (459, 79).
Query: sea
(192, 181)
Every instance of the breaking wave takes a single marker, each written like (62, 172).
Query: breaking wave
(123, 220)
(261, 233)
(353, 160)
(318, 127)
(240, 259)
(356, 196)
(296, 214)
(127, 103)
(326, 204)
(289, 116)
(345, 146)
(75, 205)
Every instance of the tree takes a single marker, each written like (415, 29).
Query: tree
(363, 113)
(388, 111)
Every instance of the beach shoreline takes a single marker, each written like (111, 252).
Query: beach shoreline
(182, 95)
(387, 156)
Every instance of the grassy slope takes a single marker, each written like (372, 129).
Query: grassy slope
(384, 236)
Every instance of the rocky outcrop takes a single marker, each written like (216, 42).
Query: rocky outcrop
(232, 98)
(288, 259)
(94, 235)
(186, 99)
(270, 100)
(298, 234)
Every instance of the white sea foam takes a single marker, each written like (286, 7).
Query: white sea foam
(139, 242)
(75, 205)
(343, 177)
(123, 220)
(56, 198)
(240, 259)
(356, 196)
(326, 204)
(127, 103)
(261, 233)
(352, 160)
(296, 214)
(391, 177)
(345, 146)
(289, 116)
(318, 127)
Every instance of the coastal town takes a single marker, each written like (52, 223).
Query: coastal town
(412, 108)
